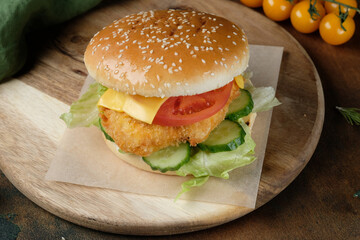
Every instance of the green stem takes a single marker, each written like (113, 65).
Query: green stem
(343, 17)
(344, 5)
(312, 9)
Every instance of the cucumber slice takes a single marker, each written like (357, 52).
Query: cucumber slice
(241, 106)
(107, 136)
(225, 137)
(170, 158)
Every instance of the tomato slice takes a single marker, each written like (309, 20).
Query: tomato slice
(186, 110)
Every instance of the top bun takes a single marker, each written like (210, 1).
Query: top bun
(167, 53)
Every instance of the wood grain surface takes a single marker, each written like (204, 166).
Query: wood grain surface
(56, 77)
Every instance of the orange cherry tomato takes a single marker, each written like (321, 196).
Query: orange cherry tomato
(252, 3)
(334, 8)
(319, 1)
(331, 31)
(278, 10)
(301, 19)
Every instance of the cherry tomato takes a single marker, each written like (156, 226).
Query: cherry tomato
(319, 1)
(334, 8)
(278, 10)
(331, 31)
(301, 19)
(185, 110)
(252, 3)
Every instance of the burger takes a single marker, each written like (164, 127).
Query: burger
(171, 94)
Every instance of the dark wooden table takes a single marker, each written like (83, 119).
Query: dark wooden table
(319, 204)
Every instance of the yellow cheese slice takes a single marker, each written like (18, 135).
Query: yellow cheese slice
(113, 100)
(239, 81)
(138, 107)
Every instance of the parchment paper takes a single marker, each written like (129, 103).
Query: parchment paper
(83, 158)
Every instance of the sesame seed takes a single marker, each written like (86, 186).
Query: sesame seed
(203, 61)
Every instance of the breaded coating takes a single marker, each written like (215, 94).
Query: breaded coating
(140, 138)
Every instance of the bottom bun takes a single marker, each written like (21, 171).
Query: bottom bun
(138, 162)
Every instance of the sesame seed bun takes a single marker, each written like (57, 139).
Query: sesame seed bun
(167, 53)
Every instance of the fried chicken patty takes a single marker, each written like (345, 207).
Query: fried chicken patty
(140, 138)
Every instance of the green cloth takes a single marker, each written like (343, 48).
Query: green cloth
(18, 17)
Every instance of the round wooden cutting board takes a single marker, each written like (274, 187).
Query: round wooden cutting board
(29, 140)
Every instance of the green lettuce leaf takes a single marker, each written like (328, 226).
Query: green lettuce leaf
(84, 112)
(204, 164)
(194, 182)
(264, 99)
